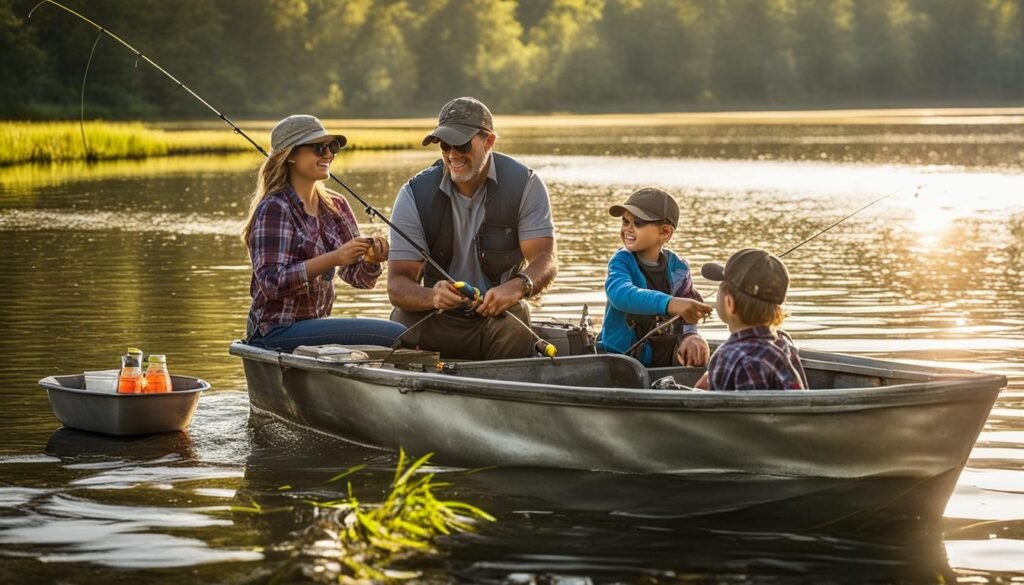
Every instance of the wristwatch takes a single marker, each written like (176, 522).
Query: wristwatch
(527, 284)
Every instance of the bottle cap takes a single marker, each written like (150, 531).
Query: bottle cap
(134, 350)
(157, 358)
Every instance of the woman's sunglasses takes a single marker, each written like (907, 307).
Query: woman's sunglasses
(321, 148)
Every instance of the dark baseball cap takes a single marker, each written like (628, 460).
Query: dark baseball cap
(459, 120)
(649, 204)
(752, 272)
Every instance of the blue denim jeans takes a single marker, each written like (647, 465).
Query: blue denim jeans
(339, 330)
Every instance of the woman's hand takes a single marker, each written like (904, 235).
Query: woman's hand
(351, 251)
(378, 250)
(688, 310)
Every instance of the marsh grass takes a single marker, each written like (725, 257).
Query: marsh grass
(46, 142)
(354, 541)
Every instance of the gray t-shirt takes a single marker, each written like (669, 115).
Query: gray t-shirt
(467, 217)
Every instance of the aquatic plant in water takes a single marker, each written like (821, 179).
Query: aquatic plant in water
(354, 541)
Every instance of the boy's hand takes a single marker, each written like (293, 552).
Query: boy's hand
(702, 384)
(693, 351)
(688, 310)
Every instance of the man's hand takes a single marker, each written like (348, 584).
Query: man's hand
(498, 299)
(689, 310)
(447, 297)
(693, 351)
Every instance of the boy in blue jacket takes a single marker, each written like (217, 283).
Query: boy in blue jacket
(647, 284)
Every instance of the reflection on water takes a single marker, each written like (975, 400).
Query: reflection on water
(98, 258)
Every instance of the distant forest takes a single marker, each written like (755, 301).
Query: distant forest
(404, 57)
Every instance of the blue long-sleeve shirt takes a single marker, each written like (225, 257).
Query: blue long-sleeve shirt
(627, 291)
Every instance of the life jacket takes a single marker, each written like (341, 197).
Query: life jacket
(498, 238)
(643, 324)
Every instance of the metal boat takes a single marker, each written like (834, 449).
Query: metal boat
(862, 417)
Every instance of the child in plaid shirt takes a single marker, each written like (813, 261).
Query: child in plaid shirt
(758, 355)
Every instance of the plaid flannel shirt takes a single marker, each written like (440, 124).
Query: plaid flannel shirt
(756, 359)
(282, 238)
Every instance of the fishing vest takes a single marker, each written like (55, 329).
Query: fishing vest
(643, 324)
(498, 238)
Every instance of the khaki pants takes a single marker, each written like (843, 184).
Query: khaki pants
(471, 337)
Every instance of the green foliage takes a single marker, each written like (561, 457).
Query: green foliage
(269, 58)
(44, 142)
(351, 540)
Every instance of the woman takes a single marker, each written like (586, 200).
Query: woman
(298, 233)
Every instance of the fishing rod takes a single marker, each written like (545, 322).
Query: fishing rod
(370, 210)
(470, 292)
(782, 255)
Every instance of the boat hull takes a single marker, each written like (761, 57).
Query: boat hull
(920, 429)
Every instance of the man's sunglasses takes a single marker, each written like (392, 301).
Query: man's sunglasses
(321, 148)
(459, 148)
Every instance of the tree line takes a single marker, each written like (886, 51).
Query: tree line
(263, 58)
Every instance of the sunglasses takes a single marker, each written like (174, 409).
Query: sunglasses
(459, 148)
(640, 223)
(321, 148)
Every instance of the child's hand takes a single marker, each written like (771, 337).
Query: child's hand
(689, 310)
(702, 384)
(693, 351)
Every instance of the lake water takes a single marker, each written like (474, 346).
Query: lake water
(146, 253)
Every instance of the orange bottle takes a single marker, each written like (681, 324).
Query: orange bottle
(157, 378)
(130, 379)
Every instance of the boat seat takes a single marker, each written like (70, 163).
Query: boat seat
(592, 371)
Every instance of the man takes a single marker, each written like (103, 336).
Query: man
(486, 219)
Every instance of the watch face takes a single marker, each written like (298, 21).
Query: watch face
(527, 285)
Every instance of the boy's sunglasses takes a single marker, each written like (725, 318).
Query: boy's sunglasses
(320, 148)
(639, 223)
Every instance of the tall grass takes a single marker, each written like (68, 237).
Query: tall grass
(44, 142)
(354, 541)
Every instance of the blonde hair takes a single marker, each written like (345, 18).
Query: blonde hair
(754, 311)
(273, 176)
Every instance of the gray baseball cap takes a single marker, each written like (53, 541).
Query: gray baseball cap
(752, 272)
(649, 204)
(299, 129)
(459, 120)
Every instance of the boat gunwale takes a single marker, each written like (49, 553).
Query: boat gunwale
(946, 386)
(54, 383)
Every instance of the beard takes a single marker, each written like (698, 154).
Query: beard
(469, 173)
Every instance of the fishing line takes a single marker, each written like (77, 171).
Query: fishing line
(85, 145)
(369, 209)
(820, 232)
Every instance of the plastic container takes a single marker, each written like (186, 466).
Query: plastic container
(130, 381)
(157, 378)
(104, 381)
(123, 414)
